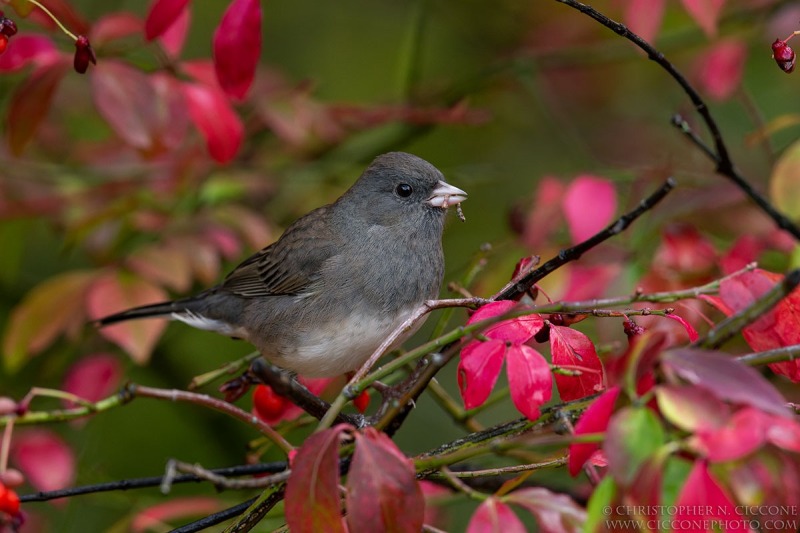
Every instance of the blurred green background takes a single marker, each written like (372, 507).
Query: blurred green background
(557, 94)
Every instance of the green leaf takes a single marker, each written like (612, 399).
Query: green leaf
(633, 435)
(784, 185)
(599, 505)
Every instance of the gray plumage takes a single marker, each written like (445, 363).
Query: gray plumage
(320, 299)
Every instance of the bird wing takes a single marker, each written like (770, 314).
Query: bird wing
(290, 265)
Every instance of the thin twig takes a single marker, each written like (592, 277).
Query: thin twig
(720, 154)
(214, 403)
(571, 254)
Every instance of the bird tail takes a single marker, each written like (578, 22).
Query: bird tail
(161, 309)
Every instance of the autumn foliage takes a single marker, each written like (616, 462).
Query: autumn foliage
(626, 355)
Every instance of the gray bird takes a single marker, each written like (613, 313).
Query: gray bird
(322, 298)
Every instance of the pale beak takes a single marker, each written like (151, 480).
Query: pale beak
(445, 195)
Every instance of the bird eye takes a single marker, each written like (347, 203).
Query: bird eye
(404, 190)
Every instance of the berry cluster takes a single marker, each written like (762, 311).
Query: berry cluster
(83, 50)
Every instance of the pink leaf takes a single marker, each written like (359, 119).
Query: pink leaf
(685, 250)
(127, 101)
(693, 336)
(555, 513)
(784, 433)
(93, 377)
(312, 491)
(493, 516)
(50, 309)
(168, 265)
(478, 370)
(575, 352)
(725, 378)
(173, 39)
(383, 493)
(25, 49)
(156, 516)
(115, 292)
(543, 216)
(720, 69)
(216, 120)
(744, 251)
(594, 420)
(589, 205)
(702, 500)
(237, 47)
(587, 282)
(115, 26)
(31, 102)
(162, 14)
(705, 13)
(644, 17)
(45, 458)
(529, 379)
(744, 433)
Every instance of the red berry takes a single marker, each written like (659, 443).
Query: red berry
(3, 43)
(268, 405)
(83, 55)
(9, 501)
(8, 27)
(783, 55)
(361, 402)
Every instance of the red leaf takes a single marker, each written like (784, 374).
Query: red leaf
(594, 420)
(216, 120)
(744, 251)
(587, 282)
(515, 330)
(589, 205)
(705, 13)
(721, 68)
(776, 328)
(529, 379)
(644, 17)
(93, 377)
(162, 14)
(574, 351)
(702, 500)
(237, 47)
(478, 370)
(312, 491)
(725, 378)
(493, 516)
(46, 460)
(25, 49)
(31, 102)
(50, 309)
(555, 513)
(683, 249)
(156, 516)
(114, 292)
(383, 492)
(693, 336)
(115, 26)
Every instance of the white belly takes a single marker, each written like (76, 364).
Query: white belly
(334, 349)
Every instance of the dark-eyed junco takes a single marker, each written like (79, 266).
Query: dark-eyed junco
(320, 299)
